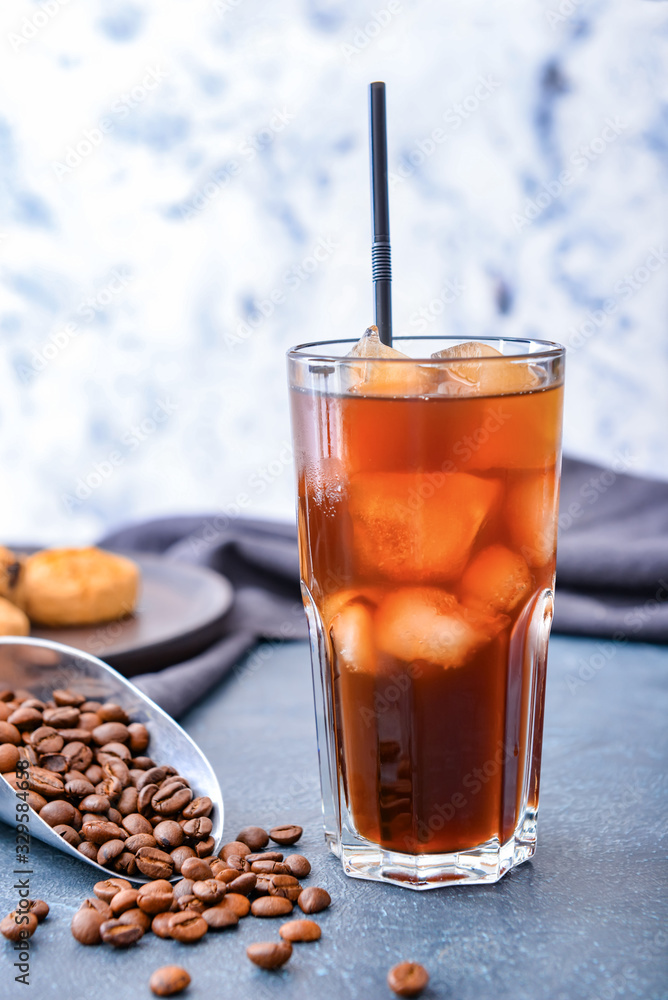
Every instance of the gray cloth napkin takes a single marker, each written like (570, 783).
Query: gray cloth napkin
(612, 573)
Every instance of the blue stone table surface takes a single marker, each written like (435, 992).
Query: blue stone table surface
(586, 918)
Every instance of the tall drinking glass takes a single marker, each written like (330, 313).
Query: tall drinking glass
(427, 510)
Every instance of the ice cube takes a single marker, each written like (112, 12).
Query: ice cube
(425, 623)
(484, 378)
(496, 579)
(334, 602)
(531, 514)
(351, 632)
(417, 527)
(386, 379)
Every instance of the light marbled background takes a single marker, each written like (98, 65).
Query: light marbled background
(201, 225)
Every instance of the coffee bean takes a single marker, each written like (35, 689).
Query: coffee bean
(171, 798)
(116, 768)
(187, 927)
(39, 908)
(79, 757)
(86, 925)
(142, 763)
(254, 837)
(88, 850)
(263, 885)
(264, 856)
(270, 868)
(144, 799)
(45, 782)
(95, 803)
(44, 739)
(127, 802)
(94, 774)
(114, 750)
(155, 897)
(243, 884)
(300, 930)
(125, 863)
(153, 776)
(160, 924)
(111, 732)
(109, 887)
(219, 917)
(133, 843)
(183, 887)
(169, 980)
(100, 906)
(286, 886)
(26, 752)
(111, 711)
(62, 717)
(124, 900)
(407, 979)
(237, 903)
(204, 848)
(209, 891)
(190, 902)
(169, 834)
(136, 823)
(9, 757)
(286, 835)
(79, 788)
(198, 828)
(54, 762)
(109, 851)
(179, 855)
(200, 806)
(89, 721)
(100, 830)
(69, 834)
(136, 916)
(9, 733)
(314, 899)
(196, 869)
(114, 816)
(298, 865)
(120, 934)
(154, 863)
(110, 787)
(235, 848)
(75, 735)
(269, 954)
(227, 875)
(271, 906)
(58, 812)
(18, 925)
(139, 737)
(26, 719)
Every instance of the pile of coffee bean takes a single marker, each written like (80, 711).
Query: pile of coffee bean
(213, 894)
(90, 779)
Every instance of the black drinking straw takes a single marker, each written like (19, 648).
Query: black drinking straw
(381, 263)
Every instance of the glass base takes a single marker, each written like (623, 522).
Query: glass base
(486, 863)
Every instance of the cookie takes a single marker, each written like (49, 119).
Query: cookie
(77, 587)
(12, 620)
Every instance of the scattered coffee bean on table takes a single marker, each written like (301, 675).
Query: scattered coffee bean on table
(300, 930)
(18, 925)
(286, 835)
(314, 899)
(168, 980)
(269, 954)
(408, 979)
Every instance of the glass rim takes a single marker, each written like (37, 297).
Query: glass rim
(304, 352)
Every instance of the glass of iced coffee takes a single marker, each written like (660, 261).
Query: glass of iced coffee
(428, 481)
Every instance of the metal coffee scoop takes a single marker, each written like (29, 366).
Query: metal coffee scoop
(40, 667)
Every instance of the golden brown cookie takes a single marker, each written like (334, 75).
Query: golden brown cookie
(10, 569)
(78, 586)
(12, 620)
